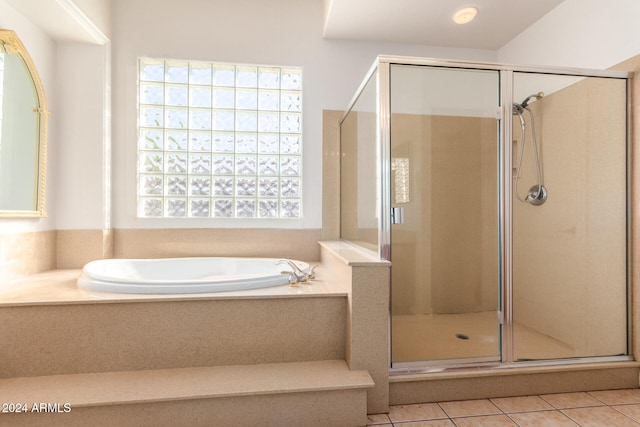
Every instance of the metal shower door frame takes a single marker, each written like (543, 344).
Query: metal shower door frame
(505, 195)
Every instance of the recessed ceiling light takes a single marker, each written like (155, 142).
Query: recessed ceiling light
(464, 16)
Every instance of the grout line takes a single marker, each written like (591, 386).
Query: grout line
(502, 412)
(594, 397)
(620, 412)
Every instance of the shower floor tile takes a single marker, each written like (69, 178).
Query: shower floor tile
(457, 336)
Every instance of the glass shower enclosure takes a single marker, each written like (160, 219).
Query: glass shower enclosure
(500, 196)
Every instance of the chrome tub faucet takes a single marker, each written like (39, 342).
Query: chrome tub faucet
(297, 275)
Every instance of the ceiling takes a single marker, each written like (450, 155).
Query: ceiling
(429, 22)
(63, 19)
(426, 22)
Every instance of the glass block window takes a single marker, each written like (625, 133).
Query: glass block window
(219, 140)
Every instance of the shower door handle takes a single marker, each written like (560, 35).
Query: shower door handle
(397, 215)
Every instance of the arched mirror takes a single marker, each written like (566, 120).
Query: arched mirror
(23, 132)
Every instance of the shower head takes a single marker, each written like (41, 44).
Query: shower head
(517, 109)
(528, 98)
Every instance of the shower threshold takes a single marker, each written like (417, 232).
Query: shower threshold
(479, 367)
(439, 342)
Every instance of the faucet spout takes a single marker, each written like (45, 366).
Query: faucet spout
(299, 274)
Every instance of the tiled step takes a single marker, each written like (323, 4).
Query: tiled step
(89, 337)
(318, 393)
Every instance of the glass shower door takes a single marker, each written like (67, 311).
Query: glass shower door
(445, 287)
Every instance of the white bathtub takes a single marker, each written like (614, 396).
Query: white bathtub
(183, 275)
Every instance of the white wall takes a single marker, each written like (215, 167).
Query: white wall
(43, 52)
(84, 136)
(278, 32)
(579, 33)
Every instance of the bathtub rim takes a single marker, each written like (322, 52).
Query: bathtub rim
(92, 280)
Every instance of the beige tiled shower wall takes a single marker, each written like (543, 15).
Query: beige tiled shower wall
(633, 64)
(331, 174)
(358, 198)
(569, 254)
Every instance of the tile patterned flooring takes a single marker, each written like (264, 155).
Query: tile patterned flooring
(609, 408)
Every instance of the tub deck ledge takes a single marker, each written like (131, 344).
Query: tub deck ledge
(56, 287)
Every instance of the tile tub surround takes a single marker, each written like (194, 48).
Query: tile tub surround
(64, 331)
(23, 254)
(366, 280)
(55, 328)
(124, 336)
(59, 287)
(357, 332)
(173, 242)
(75, 248)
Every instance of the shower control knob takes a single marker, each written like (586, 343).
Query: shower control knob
(537, 195)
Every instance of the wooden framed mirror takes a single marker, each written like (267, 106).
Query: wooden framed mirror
(23, 132)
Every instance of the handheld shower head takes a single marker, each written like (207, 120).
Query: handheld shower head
(528, 98)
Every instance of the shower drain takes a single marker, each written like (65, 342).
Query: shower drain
(462, 336)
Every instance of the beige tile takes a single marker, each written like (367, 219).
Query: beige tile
(75, 248)
(542, 419)
(81, 338)
(521, 404)
(299, 244)
(632, 411)
(617, 397)
(140, 386)
(599, 416)
(55, 287)
(368, 326)
(432, 423)
(331, 174)
(571, 400)
(377, 419)
(23, 254)
(418, 412)
(485, 421)
(297, 409)
(469, 408)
